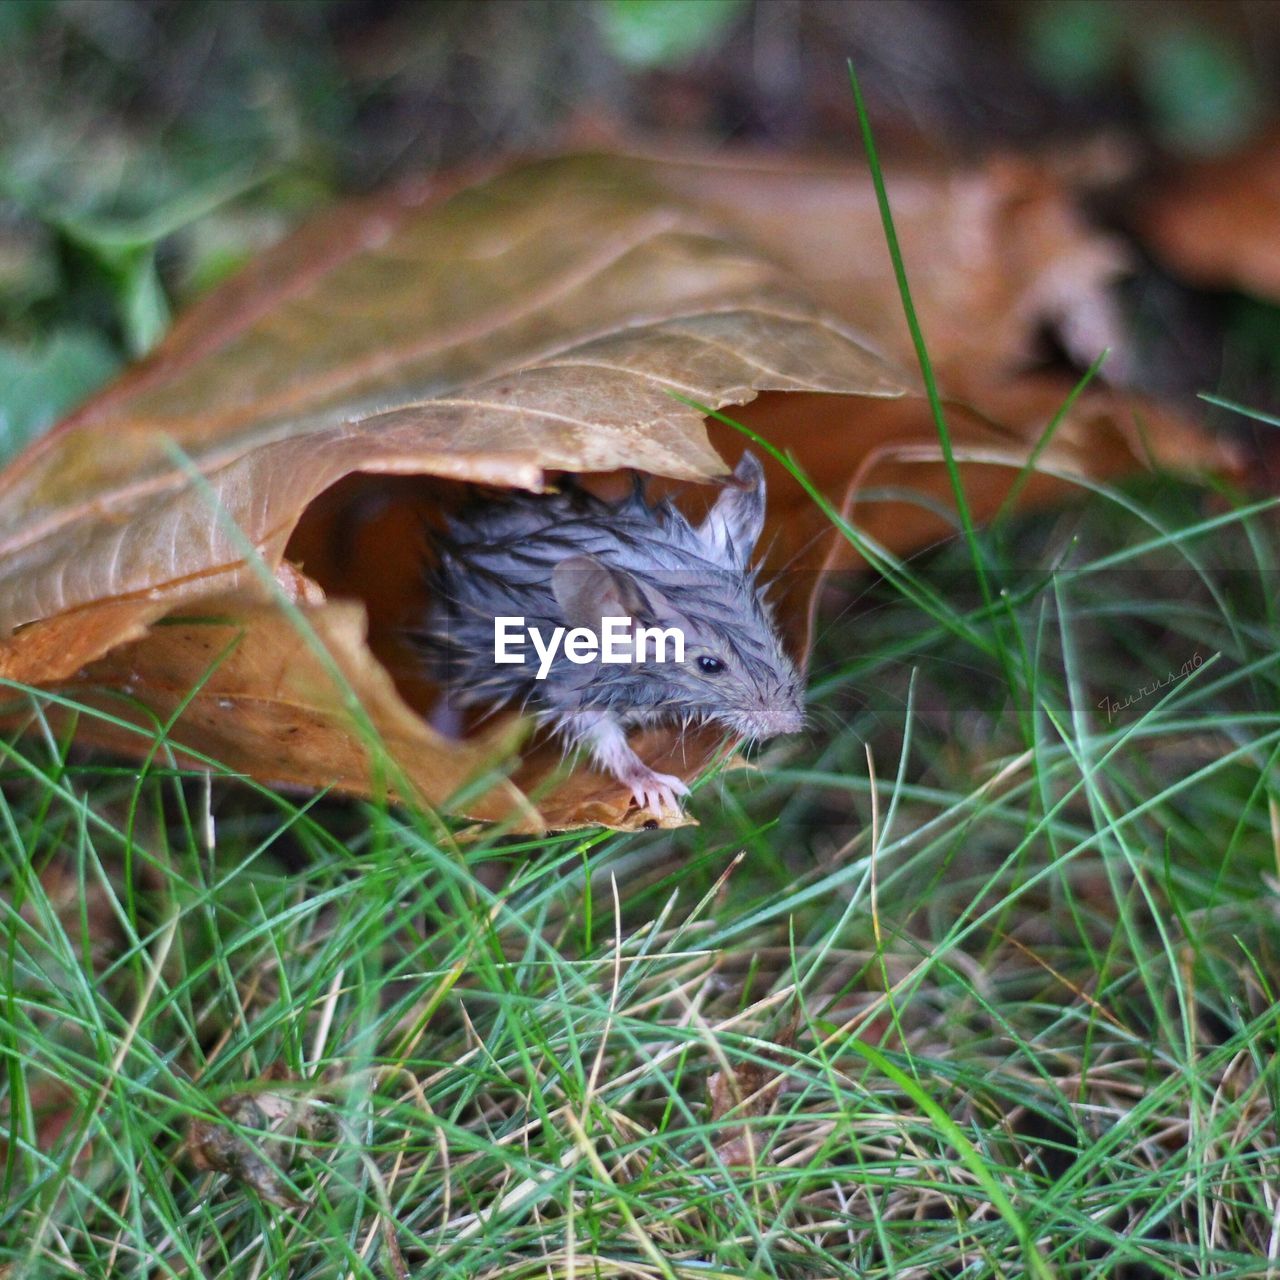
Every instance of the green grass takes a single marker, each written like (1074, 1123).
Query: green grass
(1009, 999)
(978, 977)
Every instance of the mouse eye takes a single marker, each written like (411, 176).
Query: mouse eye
(712, 666)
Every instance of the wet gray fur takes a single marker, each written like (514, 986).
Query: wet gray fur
(568, 559)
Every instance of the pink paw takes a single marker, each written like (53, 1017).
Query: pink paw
(657, 792)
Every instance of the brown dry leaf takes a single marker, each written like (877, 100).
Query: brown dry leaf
(745, 1091)
(531, 322)
(741, 1094)
(996, 254)
(275, 1119)
(853, 450)
(1215, 221)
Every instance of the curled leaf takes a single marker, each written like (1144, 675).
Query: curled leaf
(225, 547)
(532, 322)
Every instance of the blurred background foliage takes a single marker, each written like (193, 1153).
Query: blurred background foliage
(148, 148)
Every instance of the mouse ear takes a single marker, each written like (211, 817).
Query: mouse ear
(587, 591)
(734, 522)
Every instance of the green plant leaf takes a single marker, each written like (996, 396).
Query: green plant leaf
(660, 33)
(1200, 90)
(40, 383)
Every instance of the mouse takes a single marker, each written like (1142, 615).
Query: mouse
(543, 602)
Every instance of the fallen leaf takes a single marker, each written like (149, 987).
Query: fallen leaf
(226, 544)
(745, 1090)
(532, 322)
(273, 1119)
(864, 455)
(1214, 221)
(997, 254)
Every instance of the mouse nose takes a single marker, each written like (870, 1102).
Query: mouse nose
(780, 719)
(791, 720)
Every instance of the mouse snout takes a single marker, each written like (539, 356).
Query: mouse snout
(790, 720)
(778, 718)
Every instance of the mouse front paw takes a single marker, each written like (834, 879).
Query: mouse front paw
(657, 792)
